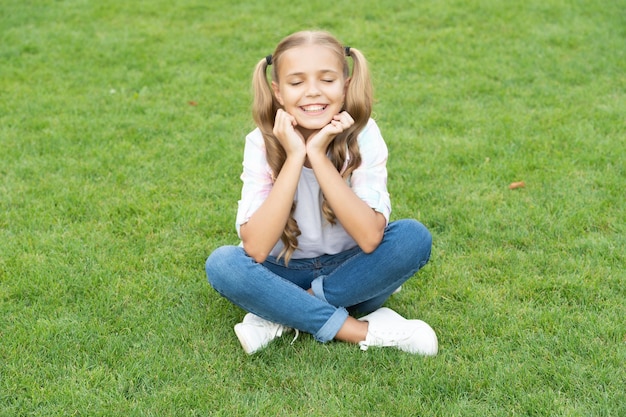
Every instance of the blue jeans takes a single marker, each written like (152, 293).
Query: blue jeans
(350, 282)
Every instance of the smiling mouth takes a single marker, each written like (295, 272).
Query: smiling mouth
(316, 108)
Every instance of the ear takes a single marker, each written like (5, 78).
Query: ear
(277, 92)
(346, 85)
(345, 88)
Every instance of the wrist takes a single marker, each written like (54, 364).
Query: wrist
(296, 158)
(317, 156)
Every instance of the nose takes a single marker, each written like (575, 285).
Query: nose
(312, 89)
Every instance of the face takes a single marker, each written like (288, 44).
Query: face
(311, 86)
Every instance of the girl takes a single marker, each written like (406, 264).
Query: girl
(317, 246)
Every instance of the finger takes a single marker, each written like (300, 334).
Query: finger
(342, 123)
(347, 119)
(284, 120)
(288, 118)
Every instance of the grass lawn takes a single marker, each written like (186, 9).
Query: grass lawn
(121, 138)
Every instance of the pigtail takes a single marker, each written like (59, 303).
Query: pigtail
(264, 104)
(264, 108)
(359, 103)
(359, 96)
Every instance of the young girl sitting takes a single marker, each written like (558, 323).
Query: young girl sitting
(317, 248)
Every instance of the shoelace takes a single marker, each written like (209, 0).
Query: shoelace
(364, 345)
(279, 330)
(296, 336)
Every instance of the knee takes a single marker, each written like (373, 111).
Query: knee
(412, 229)
(220, 262)
(416, 237)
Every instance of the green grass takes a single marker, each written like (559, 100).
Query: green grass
(114, 190)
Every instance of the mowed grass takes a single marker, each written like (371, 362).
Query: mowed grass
(121, 137)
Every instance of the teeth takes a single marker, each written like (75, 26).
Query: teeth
(314, 108)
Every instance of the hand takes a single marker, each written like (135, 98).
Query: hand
(319, 141)
(290, 138)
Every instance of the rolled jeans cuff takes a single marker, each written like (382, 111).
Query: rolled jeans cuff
(330, 329)
(317, 286)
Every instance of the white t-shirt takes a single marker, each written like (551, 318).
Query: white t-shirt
(318, 237)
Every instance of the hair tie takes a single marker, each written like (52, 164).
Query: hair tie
(268, 60)
(347, 49)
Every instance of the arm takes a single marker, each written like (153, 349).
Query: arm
(365, 225)
(265, 226)
(260, 234)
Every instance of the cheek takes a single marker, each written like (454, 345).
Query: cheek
(341, 95)
(288, 98)
(341, 98)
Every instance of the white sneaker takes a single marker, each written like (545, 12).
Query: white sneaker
(255, 333)
(388, 328)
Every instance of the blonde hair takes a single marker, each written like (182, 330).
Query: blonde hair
(358, 103)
